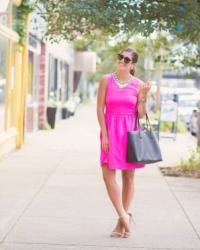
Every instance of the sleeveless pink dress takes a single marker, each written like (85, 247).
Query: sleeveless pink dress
(120, 112)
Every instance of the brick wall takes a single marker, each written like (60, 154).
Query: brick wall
(41, 87)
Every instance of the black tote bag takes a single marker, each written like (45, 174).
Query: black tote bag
(143, 146)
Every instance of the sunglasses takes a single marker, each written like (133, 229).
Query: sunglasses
(126, 59)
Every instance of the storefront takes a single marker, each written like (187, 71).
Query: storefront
(60, 74)
(8, 41)
(32, 86)
(58, 80)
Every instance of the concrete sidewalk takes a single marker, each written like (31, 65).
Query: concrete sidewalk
(52, 196)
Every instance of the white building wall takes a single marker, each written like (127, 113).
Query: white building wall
(65, 52)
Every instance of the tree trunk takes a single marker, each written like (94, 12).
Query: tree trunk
(159, 78)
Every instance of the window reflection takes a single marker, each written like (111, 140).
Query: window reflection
(4, 44)
(3, 51)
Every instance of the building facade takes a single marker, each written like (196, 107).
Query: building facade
(8, 73)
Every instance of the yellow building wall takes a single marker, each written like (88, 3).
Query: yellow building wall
(13, 135)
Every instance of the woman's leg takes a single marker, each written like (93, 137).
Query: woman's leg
(113, 189)
(127, 188)
(115, 195)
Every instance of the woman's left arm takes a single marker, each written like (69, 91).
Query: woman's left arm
(142, 98)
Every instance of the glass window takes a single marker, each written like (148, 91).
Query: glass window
(66, 88)
(4, 45)
(3, 51)
(4, 12)
(64, 81)
(32, 76)
(53, 77)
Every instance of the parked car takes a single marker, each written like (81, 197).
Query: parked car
(193, 123)
(168, 93)
(187, 104)
(2, 89)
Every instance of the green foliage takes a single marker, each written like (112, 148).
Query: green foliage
(88, 17)
(94, 20)
(192, 164)
(85, 100)
(21, 12)
(167, 126)
(46, 126)
(81, 44)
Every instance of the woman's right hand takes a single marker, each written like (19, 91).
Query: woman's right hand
(105, 143)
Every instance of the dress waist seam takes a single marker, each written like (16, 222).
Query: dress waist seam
(120, 113)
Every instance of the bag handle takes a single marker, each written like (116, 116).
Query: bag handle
(137, 122)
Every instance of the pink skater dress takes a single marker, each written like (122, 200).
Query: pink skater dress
(120, 113)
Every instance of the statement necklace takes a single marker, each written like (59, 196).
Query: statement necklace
(120, 83)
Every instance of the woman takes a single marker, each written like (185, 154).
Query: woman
(120, 94)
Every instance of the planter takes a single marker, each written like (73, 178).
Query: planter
(51, 116)
(64, 113)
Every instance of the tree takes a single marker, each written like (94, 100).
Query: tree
(69, 18)
(97, 19)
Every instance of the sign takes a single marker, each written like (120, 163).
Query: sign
(34, 45)
(168, 111)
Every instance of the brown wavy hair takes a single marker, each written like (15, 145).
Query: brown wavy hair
(134, 56)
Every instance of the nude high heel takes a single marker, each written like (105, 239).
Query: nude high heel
(116, 234)
(127, 224)
(125, 219)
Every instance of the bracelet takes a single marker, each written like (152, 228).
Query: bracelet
(143, 100)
